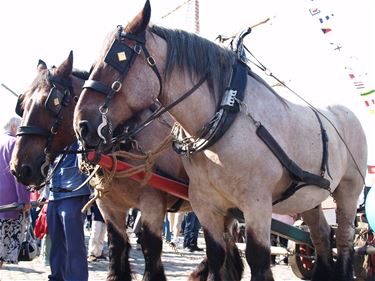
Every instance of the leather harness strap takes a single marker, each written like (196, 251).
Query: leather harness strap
(324, 165)
(300, 177)
(221, 121)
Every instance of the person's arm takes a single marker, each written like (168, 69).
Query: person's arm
(23, 196)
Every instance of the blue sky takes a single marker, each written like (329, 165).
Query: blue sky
(291, 44)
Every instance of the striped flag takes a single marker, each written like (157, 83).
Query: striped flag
(326, 30)
(326, 22)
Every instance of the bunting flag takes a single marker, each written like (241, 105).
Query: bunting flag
(371, 169)
(325, 21)
(314, 11)
(326, 30)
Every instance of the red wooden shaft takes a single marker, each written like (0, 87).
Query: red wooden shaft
(164, 184)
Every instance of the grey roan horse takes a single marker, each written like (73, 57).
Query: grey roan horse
(242, 169)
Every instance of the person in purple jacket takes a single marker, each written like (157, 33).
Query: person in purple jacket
(10, 192)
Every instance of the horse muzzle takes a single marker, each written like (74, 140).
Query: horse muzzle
(29, 174)
(98, 138)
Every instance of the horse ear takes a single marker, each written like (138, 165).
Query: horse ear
(41, 65)
(141, 21)
(67, 66)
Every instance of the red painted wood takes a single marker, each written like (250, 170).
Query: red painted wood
(161, 183)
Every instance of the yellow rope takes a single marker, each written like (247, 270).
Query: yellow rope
(102, 183)
(147, 167)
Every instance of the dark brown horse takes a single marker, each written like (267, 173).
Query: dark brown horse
(47, 110)
(268, 160)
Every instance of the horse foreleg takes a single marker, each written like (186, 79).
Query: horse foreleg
(346, 212)
(233, 262)
(320, 233)
(119, 267)
(153, 210)
(258, 244)
(152, 247)
(201, 272)
(213, 226)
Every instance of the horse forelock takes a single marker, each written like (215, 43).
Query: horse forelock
(39, 82)
(81, 74)
(198, 56)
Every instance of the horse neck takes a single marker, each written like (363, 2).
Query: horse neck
(194, 111)
(150, 139)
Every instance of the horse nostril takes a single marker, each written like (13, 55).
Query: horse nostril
(14, 173)
(84, 129)
(25, 172)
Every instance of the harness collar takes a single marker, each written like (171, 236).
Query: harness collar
(221, 121)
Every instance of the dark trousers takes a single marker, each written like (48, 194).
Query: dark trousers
(191, 230)
(68, 256)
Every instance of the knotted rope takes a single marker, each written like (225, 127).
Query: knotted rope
(102, 183)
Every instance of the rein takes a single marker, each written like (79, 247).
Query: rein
(160, 112)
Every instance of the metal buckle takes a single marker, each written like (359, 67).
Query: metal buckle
(137, 49)
(229, 98)
(116, 86)
(151, 61)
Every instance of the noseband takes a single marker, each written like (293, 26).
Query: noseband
(54, 103)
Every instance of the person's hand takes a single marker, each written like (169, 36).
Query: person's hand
(26, 207)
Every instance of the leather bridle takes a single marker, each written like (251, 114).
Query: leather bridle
(54, 104)
(121, 57)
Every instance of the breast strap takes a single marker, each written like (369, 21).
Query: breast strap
(300, 177)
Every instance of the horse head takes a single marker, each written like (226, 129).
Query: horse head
(125, 80)
(46, 108)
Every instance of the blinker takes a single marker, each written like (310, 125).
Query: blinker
(54, 101)
(19, 110)
(119, 56)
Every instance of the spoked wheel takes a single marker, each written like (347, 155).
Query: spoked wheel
(303, 262)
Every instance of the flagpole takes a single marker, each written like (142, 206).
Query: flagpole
(9, 90)
(196, 17)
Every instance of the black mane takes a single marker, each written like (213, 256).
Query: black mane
(198, 56)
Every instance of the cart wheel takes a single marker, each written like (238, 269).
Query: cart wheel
(303, 262)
